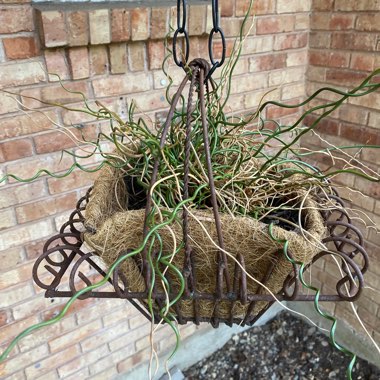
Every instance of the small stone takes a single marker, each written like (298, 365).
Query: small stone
(311, 331)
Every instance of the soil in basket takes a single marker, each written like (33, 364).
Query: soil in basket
(137, 201)
(285, 349)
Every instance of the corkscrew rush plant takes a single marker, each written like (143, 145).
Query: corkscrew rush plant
(255, 162)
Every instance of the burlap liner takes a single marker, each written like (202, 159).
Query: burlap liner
(113, 229)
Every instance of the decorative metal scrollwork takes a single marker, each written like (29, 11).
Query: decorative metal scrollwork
(63, 255)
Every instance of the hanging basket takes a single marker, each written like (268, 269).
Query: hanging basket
(112, 229)
(232, 267)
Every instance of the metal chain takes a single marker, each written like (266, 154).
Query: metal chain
(181, 30)
(215, 30)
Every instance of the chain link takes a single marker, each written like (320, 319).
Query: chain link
(181, 30)
(216, 30)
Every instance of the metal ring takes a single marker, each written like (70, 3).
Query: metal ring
(181, 27)
(187, 47)
(210, 47)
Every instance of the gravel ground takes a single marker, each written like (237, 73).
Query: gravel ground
(286, 348)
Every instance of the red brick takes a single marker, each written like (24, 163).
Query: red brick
(259, 7)
(21, 73)
(290, 75)
(263, 7)
(140, 24)
(79, 334)
(71, 118)
(374, 120)
(34, 249)
(354, 41)
(8, 368)
(327, 126)
(6, 221)
(231, 27)
(100, 28)
(21, 193)
(323, 5)
(150, 101)
(84, 360)
(58, 141)
(76, 180)
(293, 91)
(278, 24)
(291, 41)
(320, 21)
(226, 8)
(25, 124)
(20, 47)
(78, 28)
(284, 6)
(197, 20)
(52, 362)
(297, 58)
(360, 135)
(369, 22)
(47, 207)
(197, 48)
(133, 361)
(244, 83)
(337, 59)
(302, 22)
(15, 149)
(342, 21)
(120, 24)
(159, 23)
(268, 62)
(331, 59)
(121, 84)
(16, 276)
(8, 103)
(74, 309)
(51, 162)
(98, 60)
(16, 19)
(54, 28)
(362, 62)
(56, 64)
(10, 258)
(136, 51)
(79, 62)
(156, 54)
(354, 5)
(319, 39)
(352, 114)
(275, 113)
(371, 155)
(242, 7)
(56, 94)
(347, 77)
(118, 58)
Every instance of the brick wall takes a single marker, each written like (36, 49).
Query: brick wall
(115, 55)
(344, 49)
